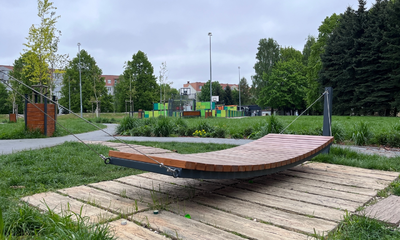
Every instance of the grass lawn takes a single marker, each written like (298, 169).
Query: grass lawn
(72, 164)
(72, 123)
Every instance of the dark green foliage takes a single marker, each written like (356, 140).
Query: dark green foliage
(228, 100)
(216, 91)
(139, 83)
(245, 96)
(361, 60)
(4, 107)
(314, 63)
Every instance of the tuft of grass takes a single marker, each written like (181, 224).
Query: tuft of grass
(361, 134)
(361, 227)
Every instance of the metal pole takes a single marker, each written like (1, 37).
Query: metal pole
(240, 105)
(210, 34)
(69, 93)
(327, 130)
(80, 79)
(130, 97)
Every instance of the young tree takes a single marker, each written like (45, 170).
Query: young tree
(41, 45)
(267, 56)
(138, 83)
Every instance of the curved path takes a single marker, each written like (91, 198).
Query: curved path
(16, 145)
(10, 146)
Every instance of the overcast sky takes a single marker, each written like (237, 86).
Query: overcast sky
(174, 31)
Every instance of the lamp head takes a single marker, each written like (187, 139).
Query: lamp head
(210, 34)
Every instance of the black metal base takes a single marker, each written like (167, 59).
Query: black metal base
(186, 173)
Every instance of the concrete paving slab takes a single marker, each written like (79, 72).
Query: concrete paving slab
(386, 210)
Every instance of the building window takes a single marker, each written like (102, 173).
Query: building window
(200, 87)
(109, 81)
(115, 81)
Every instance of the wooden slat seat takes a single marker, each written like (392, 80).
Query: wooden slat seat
(273, 151)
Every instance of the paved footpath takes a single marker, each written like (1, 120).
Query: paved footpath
(10, 146)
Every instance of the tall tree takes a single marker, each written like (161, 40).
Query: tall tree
(375, 90)
(138, 83)
(228, 99)
(340, 60)
(307, 49)
(93, 85)
(267, 56)
(41, 44)
(216, 91)
(314, 64)
(391, 52)
(4, 106)
(244, 93)
(286, 85)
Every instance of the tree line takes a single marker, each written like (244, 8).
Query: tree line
(356, 53)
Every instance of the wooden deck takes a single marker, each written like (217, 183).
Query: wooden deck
(271, 151)
(288, 205)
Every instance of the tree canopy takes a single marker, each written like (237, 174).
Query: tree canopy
(361, 60)
(41, 44)
(93, 85)
(137, 81)
(216, 91)
(267, 56)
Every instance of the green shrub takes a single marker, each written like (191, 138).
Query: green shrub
(237, 136)
(248, 131)
(338, 132)
(393, 139)
(164, 127)
(204, 125)
(127, 123)
(361, 134)
(218, 132)
(275, 125)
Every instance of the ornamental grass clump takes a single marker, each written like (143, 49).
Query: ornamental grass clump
(361, 134)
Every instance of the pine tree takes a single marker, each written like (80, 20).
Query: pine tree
(391, 52)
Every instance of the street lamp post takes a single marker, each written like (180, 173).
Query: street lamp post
(240, 105)
(210, 34)
(80, 79)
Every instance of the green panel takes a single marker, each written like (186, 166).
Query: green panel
(156, 113)
(223, 113)
(203, 113)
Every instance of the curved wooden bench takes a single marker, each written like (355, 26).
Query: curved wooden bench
(270, 154)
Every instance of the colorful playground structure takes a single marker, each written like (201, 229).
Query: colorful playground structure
(192, 109)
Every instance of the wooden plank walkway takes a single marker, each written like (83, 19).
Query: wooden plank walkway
(287, 205)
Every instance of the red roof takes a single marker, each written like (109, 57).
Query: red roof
(197, 85)
(6, 66)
